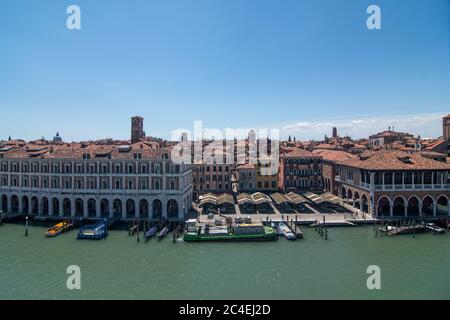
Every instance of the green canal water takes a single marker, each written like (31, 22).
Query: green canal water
(312, 268)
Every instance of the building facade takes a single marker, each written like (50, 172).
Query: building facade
(392, 183)
(94, 181)
(300, 170)
(329, 160)
(211, 178)
(266, 176)
(246, 175)
(388, 137)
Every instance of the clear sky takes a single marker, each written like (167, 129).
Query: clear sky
(298, 65)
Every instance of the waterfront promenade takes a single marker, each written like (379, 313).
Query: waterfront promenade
(337, 219)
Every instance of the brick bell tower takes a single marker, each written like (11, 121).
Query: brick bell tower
(137, 129)
(446, 127)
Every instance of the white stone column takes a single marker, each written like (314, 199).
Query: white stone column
(85, 208)
(40, 206)
(61, 207)
(20, 204)
(50, 206)
(72, 207)
(98, 209)
(164, 207)
(111, 207)
(124, 208)
(391, 209)
(423, 181)
(136, 208)
(403, 180)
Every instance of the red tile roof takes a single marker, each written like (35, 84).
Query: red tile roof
(298, 153)
(394, 160)
(334, 155)
(78, 150)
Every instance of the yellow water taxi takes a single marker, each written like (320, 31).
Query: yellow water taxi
(58, 228)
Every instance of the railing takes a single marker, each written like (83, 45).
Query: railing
(409, 187)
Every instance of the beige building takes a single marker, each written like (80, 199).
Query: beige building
(394, 183)
(246, 175)
(93, 180)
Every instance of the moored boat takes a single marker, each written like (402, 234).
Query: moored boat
(151, 233)
(240, 232)
(286, 232)
(58, 229)
(434, 228)
(163, 233)
(95, 232)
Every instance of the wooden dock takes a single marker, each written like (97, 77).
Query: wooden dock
(413, 229)
(335, 223)
(406, 230)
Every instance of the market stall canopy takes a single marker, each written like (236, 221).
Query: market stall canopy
(295, 198)
(314, 197)
(225, 198)
(244, 198)
(208, 198)
(331, 198)
(279, 198)
(260, 198)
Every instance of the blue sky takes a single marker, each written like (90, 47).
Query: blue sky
(298, 65)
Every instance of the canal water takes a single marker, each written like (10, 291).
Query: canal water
(312, 268)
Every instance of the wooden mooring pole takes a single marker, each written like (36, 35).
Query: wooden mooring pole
(26, 226)
(326, 229)
(138, 240)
